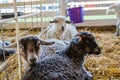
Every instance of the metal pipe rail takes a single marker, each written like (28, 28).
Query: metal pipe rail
(27, 3)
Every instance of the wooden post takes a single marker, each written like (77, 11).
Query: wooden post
(17, 38)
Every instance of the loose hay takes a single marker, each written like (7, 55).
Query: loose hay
(10, 69)
(104, 67)
(107, 65)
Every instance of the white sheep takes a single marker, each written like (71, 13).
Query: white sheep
(69, 32)
(116, 9)
(60, 29)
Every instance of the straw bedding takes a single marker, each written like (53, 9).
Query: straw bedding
(104, 67)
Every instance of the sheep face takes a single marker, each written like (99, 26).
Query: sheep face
(60, 22)
(86, 43)
(30, 48)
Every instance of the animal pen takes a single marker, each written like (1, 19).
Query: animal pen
(32, 16)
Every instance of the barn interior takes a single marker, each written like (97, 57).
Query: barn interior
(19, 18)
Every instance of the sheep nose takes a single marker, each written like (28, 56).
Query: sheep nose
(97, 50)
(33, 60)
(62, 28)
(75, 40)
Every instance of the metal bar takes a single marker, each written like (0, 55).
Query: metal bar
(63, 7)
(24, 16)
(25, 32)
(17, 39)
(2, 33)
(6, 20)
(27, 3)
(41, 15)
(28, 15)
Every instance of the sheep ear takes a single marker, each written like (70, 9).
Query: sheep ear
(13, 45)
(77, 39)
(68, 22)
(22, 42)
(21, 46)
(43, 42)
(88, 36)
(53, 21)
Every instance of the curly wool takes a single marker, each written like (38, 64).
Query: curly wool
(56, 67)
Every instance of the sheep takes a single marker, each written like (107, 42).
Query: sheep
(59, 29)
(116, 9)
(52, 49)
(30, 49)
(69, 32)
(67, 64)
(6, 43)
(4, 53)
(44, 50)
(54, 30)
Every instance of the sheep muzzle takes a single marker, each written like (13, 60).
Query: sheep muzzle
(97, 51)
(32, 59)
(62, 28)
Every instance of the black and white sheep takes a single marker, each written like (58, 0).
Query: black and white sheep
(67, 64)
(4, 53)
(52, 49)
(60, 28)
(6, 43)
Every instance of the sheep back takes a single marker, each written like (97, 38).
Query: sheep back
(69, 32)
(7, 52)
(53, 68)
(52, 49)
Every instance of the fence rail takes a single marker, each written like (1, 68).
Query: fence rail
(33, 19)
(28, 3)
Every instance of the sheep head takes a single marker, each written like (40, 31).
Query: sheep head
(60, 22)
(30, 48)
(86, 43)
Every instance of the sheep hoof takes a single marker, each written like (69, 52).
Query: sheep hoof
(87, 76)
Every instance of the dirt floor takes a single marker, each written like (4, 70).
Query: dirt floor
(105, 66)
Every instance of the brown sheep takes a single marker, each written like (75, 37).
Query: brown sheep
(30, 49)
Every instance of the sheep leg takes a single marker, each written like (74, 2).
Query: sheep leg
(86, 74)
(118, 28)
